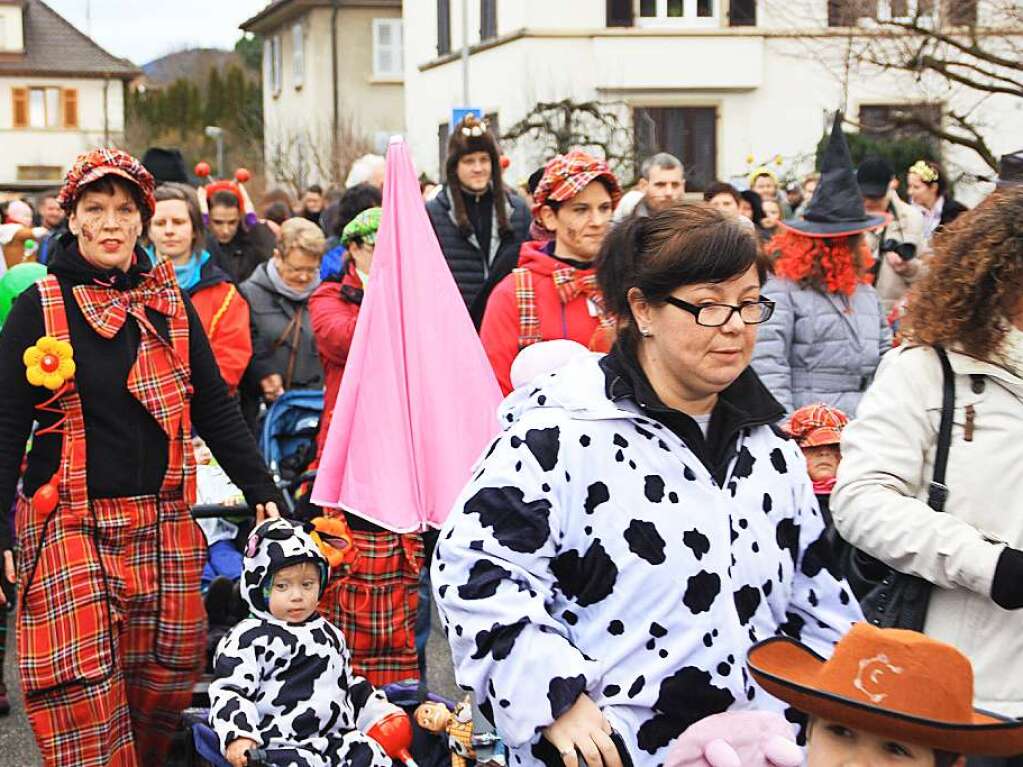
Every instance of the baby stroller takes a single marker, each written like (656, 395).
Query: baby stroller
(288, 438)
(428, 750)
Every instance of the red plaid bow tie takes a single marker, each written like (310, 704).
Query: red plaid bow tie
(106, 308)
(159, 379)
(572, 283)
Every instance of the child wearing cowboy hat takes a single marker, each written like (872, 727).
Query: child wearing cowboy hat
(886, 696)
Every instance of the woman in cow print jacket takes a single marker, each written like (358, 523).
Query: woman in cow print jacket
(640, 523)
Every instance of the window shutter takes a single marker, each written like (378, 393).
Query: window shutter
(70, 110)
(443, 27)
(619, 13)
(19, 107)
(488, 19)
(961, 12)
(742, 13)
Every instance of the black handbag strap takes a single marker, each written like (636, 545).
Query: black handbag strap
(937, 494)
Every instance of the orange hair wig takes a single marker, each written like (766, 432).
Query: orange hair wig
(835, 265)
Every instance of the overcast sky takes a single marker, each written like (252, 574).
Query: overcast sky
(142, 30)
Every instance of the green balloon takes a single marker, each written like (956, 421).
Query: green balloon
(15, 281)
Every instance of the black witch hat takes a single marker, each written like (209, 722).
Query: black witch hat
(1010, 170)
(836, 209)
(166, 165)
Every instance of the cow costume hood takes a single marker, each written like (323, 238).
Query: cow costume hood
(275, 544)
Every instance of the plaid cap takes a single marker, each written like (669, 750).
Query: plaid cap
(817, 425)
(96, 164)
(363, 227)
(568, 174)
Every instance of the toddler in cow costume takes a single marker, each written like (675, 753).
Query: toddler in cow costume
(284, 682)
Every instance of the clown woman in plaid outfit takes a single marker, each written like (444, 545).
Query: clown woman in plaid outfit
(553, 291)
(110, 360)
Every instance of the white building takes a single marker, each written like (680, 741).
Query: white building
(60, 95)
(715, 82)
(331, 68)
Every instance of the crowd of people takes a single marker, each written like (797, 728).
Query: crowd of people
(728, 426)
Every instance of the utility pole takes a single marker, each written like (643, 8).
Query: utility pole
(465, 53)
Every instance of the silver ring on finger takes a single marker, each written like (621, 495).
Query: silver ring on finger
(567, 751)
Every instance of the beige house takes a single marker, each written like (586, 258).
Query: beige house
(60, 95)
(332, 79)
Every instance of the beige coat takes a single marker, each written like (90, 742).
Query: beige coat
(879, 504)
(906, 226)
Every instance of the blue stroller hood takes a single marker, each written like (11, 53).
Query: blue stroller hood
(292, 421)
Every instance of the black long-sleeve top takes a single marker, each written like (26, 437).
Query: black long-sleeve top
(126, 450)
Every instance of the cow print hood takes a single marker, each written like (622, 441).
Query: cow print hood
(578, 387)
(275, 544)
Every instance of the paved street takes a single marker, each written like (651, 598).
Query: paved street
(17, 748)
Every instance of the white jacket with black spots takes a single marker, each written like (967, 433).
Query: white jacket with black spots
(290, 685)
(593, 552)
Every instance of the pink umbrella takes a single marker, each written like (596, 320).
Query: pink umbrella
(418, 400)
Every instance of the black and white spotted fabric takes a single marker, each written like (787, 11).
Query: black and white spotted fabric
(592, 552)
(288, 686)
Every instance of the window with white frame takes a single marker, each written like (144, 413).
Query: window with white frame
(298, 54)
(44, 107)
(906, 10)
(387, 55)
(653, 13)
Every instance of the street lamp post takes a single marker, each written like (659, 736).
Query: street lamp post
(215, 132)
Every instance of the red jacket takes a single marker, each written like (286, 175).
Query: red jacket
(225, 318)
(334, 309)
(501, 322)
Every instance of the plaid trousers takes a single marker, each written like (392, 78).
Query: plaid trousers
(375, 606)
(111, 629)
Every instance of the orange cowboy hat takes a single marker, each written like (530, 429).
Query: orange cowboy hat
(889, 682)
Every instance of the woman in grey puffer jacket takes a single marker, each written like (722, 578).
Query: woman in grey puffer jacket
(828, 331)
(820, 346)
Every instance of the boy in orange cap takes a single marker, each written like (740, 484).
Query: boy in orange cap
(886, 696)
(817, 430)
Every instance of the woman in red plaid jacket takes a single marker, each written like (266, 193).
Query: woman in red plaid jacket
(109, 358)
(553, 291)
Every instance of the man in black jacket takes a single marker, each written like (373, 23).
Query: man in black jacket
(477, 222)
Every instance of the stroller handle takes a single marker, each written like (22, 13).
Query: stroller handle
(217, 511)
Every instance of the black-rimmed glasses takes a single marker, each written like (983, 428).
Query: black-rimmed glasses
(716, 315)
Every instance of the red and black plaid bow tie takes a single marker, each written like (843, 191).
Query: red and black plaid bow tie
(106, 308)
(572, 283)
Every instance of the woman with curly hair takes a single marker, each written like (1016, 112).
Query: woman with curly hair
(971, 305)
(828, 331)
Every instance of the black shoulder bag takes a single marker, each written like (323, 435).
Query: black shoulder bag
(889, 598)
